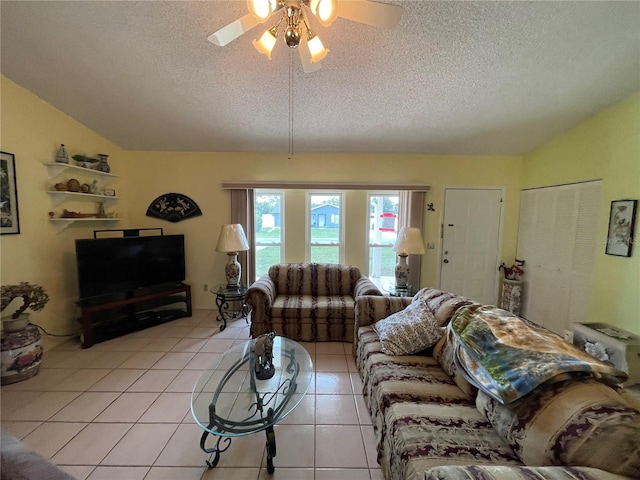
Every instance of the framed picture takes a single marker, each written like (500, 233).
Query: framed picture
(622, 220)
(9, 222)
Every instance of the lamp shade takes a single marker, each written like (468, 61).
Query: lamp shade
(326, 11)
(232, 239)
(409, 242)
(261, 9)
(317, 50)
(267, 42)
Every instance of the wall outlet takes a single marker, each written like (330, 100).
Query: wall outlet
(431, 246)
(206, 288)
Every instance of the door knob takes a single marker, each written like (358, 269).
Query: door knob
(446, 261)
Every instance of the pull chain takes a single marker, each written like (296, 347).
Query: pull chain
(290, 103)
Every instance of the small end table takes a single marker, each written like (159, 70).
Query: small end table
(226, 295)
(394, 291)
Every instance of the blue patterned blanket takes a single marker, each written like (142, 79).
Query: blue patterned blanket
(508, 357)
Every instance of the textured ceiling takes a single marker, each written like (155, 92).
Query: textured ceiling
(457, 77)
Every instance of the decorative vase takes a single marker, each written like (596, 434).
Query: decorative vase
(21, 354)
(402, 272)
(103, 166)
(233, 270)
(61, 156)
(511, 296)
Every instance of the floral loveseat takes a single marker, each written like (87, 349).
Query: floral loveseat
(495, 398)
(308, 301)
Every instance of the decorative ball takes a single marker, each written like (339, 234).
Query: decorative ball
(292, 37)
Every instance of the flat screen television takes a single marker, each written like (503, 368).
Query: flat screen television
(108, 266)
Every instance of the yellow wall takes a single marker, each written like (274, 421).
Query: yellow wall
(607, 147)
(33, 130)
(199, 176)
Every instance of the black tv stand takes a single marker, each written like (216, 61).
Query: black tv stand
(109, 318)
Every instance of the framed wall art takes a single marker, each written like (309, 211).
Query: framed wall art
(9, 221)
(622, 220)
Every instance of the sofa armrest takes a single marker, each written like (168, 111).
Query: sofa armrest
(370, 309)
(260, 297)
(511, 472)
(364, 286)
(21, 463)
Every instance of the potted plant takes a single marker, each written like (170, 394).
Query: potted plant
(85, 161)
(34, 297)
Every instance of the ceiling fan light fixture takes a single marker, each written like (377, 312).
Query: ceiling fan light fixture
(267, 41)
(292, 37)
(316, 48)
(261, 9)
(325, 11)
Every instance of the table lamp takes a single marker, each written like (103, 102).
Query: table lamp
(231, 241)
(408, 242)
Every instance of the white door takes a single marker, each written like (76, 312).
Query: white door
(470, 243)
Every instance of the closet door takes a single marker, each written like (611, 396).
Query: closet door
(557, 238)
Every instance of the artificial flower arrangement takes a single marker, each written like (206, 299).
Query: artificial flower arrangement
(514, 272)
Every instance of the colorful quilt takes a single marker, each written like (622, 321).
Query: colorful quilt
(508, 357)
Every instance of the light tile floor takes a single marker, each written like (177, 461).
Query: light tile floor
(120, 410)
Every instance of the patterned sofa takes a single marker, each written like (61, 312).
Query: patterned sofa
(308, 301)
(434, 419)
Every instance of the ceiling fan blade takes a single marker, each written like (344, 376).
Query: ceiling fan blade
(305, 57)
(233, 30)
(371, 13)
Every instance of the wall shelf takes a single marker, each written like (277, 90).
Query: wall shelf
(56, 169)
(61, 223)
(57, 197)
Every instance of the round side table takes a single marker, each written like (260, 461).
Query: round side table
(225, 296)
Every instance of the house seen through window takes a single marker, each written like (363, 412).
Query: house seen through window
(325, 228)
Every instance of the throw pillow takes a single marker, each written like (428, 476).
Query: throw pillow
(408, 331)
(570, 423)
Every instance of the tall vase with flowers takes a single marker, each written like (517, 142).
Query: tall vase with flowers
(511, 299)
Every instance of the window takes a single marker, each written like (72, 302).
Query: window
(269, 219)
(325, 228)
(383, 229)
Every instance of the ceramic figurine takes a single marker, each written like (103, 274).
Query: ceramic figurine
(263, 356)
(103, 166)
(61, 156)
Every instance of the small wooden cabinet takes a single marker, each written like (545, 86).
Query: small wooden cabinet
(611, 345)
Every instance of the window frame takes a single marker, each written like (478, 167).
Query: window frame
(308, 220)
(281, 243)
(368, 238)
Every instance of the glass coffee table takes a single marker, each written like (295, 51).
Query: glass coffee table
(229, 401)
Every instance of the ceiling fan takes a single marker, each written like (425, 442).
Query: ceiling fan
(292, 16)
